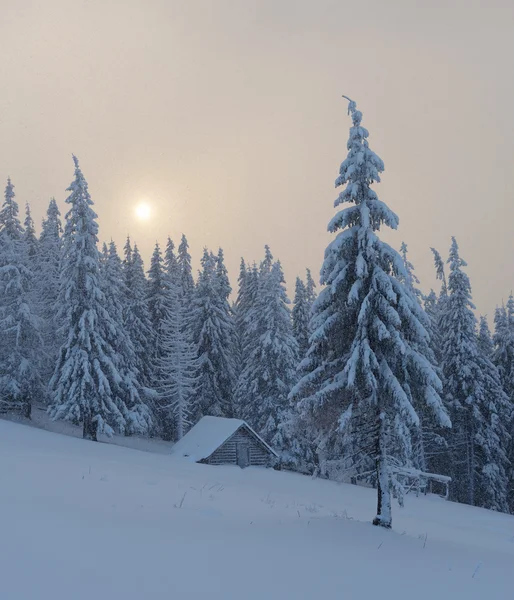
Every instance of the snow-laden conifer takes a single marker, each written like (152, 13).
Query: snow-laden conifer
(270, 371)
(301, 318)
(9, 220)
(310, 288)
(20, 338)
(213, 335)
(186, 271)
(476, 401)
(245, 317)
(86, 383)
(47, 286)
(427, 440)
(411, 280)
(171, 264)
(30, 241)
(484, 339)
(177, 364)
(130, 397)
(503, 358)
(136, 313)
(158, 300)
(503, 354)
(440, 272)
(367, 328)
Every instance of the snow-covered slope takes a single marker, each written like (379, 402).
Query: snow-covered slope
(83, 520)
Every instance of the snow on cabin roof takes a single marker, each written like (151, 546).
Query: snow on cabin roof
(208, 435)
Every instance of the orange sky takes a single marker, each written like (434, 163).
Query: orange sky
(227, 117)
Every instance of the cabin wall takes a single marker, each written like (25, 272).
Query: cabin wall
(227, 453)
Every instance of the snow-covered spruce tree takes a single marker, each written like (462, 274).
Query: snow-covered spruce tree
(310, 288)
(20, 345)
(30, 241)
(213, 335)
(503, 354)
(130, 393)
(47, 285)
(367, 327)
(186, 271)
(176, 369)
(9, 220)
(440, 272)
(495, 492)
(270, 371)
(245, 307)
(432, 310)
(428, 448)
(158, 299)
(171, 265)
(484, 339)
(301, 318)
(476, 401)
(136, 313)
(503, 358)
(239, 311)
(86, 383)
(411, 280)
(224, 290)
(245, 318)
(222, 280)
(159, 305)
(435, 438)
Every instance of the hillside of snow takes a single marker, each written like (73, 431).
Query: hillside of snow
(84, 520)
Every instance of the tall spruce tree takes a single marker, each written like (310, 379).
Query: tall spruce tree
(130, 396)
(171, 264)
(176, 369)
(137, 321)
(30, 240)
(47, 285)
(411, 279)
(367, 327)
(186, 271)
(20, 346)
(503, 358)
(428, 443)
(503, 354)
(475, 398)
(301, 318)
(270, 371)
(159, 305)
(484, 339)
(86, 384)
(213, 335)
(495, 492)
(239, 311)
(310, 288)
(158, 299)
(440, 272)
(9, 220)
(245, 317)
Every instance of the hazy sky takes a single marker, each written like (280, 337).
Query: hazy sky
(227, 117)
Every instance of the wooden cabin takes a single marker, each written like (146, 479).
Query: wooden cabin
(220, 441)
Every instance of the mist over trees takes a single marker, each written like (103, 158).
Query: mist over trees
(370, 380)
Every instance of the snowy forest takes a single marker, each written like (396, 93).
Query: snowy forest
(361, 377)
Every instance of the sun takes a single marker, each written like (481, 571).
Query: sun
(143, 211)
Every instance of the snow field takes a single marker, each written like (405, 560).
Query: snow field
(86, 520)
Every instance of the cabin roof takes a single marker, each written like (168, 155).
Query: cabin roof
(208, 435)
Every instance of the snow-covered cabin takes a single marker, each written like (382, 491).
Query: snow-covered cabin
(220, 441)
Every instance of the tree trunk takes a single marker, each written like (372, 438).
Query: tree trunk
(384, 517)
(472, 464)
(89, 428)
(27, 409)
